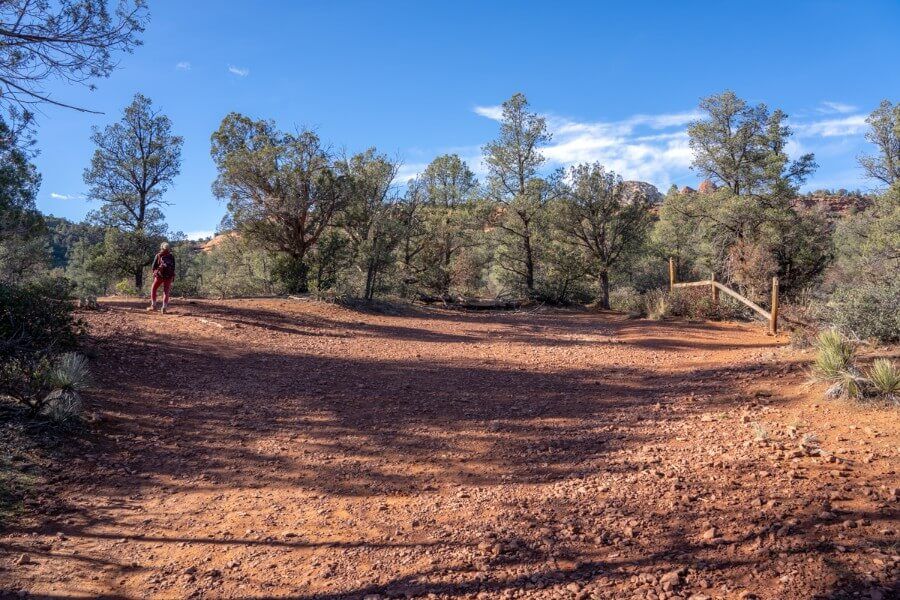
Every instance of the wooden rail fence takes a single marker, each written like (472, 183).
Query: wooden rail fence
(716, 287)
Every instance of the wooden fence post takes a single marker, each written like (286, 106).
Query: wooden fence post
(671, 274)
(715, 290)
(773, 321)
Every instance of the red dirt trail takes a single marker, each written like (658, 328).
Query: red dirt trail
(289, 449)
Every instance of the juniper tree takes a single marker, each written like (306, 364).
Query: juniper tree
(135, 163)
(884, 132)
(281, 189)
(372, 217)
(513, 161)
(597, 214)
(70, 40)
(450, 217)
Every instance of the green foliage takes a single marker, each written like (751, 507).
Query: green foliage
(743, 147)
(125, 287)
(329, 260)
(750, 228)
(697, 303)
(627, 300)
(281, 188)
(596, 215)
(234, 267)
(22, 231)
(885, 377)
(520, 194)
(884, 133)
(135, 162)
(442, 220)
(870, 311)
(36, 323)
(69, 373)
(372, 219)
(865, 298)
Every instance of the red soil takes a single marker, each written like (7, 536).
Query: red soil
(277, 448)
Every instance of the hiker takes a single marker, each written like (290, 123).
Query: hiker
(163, 275)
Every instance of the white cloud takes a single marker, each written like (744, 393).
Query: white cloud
(844, 126)
(183, 66)
(199, 235)
(239, 71)
(651, 148)
(57, 196)
(829, 107)
(491, 112)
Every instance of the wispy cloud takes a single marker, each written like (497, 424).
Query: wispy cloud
(200, 234)
(491, 112)
(57, 196)
(650, 148)
(183, 66)
(828, 107)
(837, 127)
(239, 71)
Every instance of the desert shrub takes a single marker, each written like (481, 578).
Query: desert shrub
(36, 324)
(627, 300)
(126, 287)
(834, 364)
(870, 311)
(697, 303)
(884, 376)
(656, 305)
(834, 355)
(68, 375)
(36, 318)
(865, 289)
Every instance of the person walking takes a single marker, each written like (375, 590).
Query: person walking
(163, 275)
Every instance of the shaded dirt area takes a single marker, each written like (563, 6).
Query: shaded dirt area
(278, 448)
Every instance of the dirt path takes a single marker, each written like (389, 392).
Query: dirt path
(269, 448)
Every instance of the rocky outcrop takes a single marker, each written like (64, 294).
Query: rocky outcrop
(636, 189)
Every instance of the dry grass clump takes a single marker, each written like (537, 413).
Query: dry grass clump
(885, 378)
(656, 305)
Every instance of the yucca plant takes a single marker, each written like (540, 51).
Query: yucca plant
(834, 356)
(885, 377)
(656, 305)
(68, 375)
(70, 372)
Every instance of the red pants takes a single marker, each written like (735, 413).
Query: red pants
(166, 286)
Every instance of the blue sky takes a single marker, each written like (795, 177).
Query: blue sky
(617, 81)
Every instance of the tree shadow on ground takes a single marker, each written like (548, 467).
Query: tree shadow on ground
(219, 417)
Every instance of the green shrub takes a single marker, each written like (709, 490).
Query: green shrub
(885, 377)
(125, 287)
(627, 300)
(697, 303)
(36, 324)
(869, 312)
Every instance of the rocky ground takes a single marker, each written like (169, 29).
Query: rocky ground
(282, 448)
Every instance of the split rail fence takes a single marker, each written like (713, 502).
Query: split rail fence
(716, 287)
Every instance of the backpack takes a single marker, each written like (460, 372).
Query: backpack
(166, 266)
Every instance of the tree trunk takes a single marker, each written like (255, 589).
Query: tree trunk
(604, 290)
(371, 273)
(302, 277)
(139, 279)
(529, 263)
